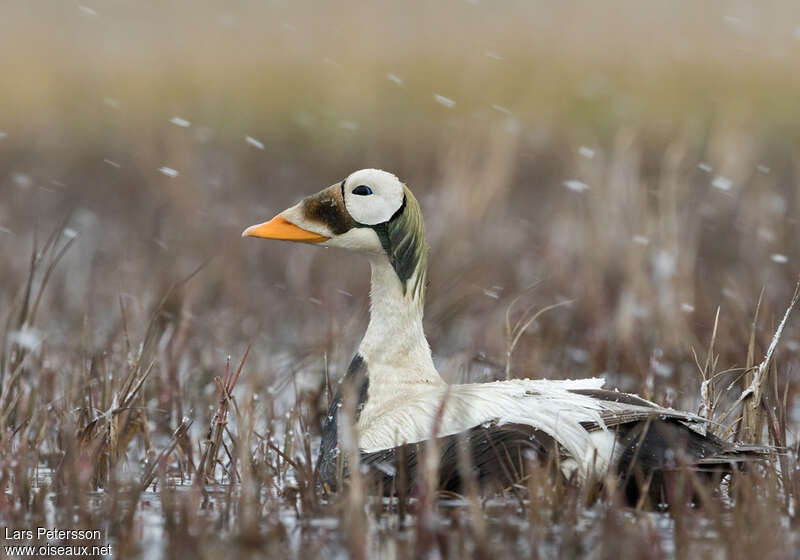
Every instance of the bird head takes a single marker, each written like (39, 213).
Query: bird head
(370, 212)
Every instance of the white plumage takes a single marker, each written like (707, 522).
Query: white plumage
(419, 412)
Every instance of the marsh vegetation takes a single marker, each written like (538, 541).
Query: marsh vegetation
(163, 381)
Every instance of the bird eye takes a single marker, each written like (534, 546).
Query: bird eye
(362, 190)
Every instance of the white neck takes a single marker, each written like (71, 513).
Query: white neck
(394, 346)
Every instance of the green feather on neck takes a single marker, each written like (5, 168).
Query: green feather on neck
(403, 239)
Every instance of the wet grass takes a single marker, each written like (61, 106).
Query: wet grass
(164, 380)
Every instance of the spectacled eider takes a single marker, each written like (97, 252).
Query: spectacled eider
(402, 401)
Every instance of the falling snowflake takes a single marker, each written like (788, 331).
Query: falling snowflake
(253, 142)
(446, 101)
(348, 125)
(395, 78)
(22, 180)
(575, 185)
(178, 121)
(722, 183)
(491, 293)
(501, 109)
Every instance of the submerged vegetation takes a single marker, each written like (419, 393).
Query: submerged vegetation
(603, 196)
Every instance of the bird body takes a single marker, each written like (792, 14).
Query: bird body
(402, 400)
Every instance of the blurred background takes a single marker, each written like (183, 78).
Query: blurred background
(639, 158)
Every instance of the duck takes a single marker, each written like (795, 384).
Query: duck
(401, 405)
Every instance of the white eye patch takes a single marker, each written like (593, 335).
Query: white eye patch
(372, 196)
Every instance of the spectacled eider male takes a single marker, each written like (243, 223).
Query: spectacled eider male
(403, 402)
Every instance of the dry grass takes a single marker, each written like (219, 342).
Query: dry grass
(679, 260)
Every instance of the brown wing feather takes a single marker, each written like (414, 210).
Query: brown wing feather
(625, 408)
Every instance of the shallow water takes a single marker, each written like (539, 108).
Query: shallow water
(507, 525)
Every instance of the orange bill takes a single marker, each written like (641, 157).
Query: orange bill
(280, 228)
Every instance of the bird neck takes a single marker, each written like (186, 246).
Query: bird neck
(394, 347)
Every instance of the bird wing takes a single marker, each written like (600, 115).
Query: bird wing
(623, 408)
(577, 414)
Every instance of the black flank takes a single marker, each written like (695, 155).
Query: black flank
(654, 451)
(652, 454)
(357, 378)
(498, 454)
